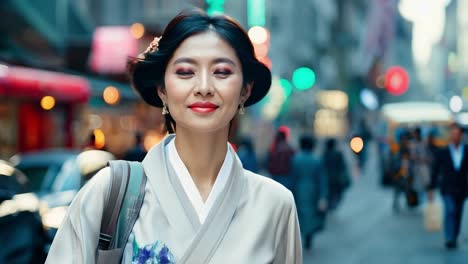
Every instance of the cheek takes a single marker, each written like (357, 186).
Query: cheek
(233, 90)
(175, 90)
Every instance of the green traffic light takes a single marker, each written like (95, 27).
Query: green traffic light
(303, 78)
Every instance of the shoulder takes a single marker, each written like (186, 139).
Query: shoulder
(91, 198)
(100, 181)
(266, 191)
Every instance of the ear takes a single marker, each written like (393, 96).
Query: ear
(161, 93)
(245, 93)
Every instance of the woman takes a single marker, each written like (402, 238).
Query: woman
(199, 202)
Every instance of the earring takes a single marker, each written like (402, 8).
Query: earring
(241, 109)
(165, 111)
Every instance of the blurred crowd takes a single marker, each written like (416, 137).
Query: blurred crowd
(317, 179)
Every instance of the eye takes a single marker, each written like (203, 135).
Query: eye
(184, 73)
(223, 72)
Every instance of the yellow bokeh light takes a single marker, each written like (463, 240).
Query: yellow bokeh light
(111, 95)
(137, 30)
(258, 35)
(356, 144)
(47, 102)
(100, 139)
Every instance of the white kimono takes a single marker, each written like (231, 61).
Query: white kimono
(253, 220)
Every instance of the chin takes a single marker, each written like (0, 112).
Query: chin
(202, 127)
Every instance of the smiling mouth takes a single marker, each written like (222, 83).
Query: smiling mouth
(203, 107)
(198, 109)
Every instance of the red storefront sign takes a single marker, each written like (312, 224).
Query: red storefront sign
(34, 84)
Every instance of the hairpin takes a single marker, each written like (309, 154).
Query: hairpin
(153, 46)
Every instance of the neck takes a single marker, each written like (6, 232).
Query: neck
(203, 154)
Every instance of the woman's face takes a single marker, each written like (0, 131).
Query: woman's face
(203, 84)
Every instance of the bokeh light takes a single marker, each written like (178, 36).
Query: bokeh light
(303, 78)
(111, 95)
(396, 80)
(137, 30)
(47, 102)
(456, 104)
(100, 141)
(369, 99)
(258, 35)
(356, 144)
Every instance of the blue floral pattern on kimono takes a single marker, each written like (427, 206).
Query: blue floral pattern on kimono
(157, 253)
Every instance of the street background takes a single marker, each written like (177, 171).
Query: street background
(365, 230)
(362, 75)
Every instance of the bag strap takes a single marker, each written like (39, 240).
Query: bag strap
(119, 179)
(127, 178)
(131, 204)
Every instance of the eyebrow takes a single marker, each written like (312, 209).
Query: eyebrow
(215, 61)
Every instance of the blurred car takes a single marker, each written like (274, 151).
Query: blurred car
(21, 231)
(55, 176)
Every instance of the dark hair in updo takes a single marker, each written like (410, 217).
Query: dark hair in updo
(147, 73)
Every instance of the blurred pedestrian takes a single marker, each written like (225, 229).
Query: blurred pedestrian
(311, 189)
(365, 134)
(137, 152)
(432, 145)
(198, 202)
(279, 160)
(420, 158)
(402, 170)
(450, 175)
(247, 155)
(337, 171)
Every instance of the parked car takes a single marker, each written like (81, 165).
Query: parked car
(55, 176)
(21, 230)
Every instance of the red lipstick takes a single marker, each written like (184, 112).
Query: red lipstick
(203, 107)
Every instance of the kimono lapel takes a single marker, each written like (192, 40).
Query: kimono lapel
(155, 165)
(212, 231)
(185, 201)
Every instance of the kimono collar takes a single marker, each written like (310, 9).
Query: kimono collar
(181, 215)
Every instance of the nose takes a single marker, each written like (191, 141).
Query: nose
(204, 86)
